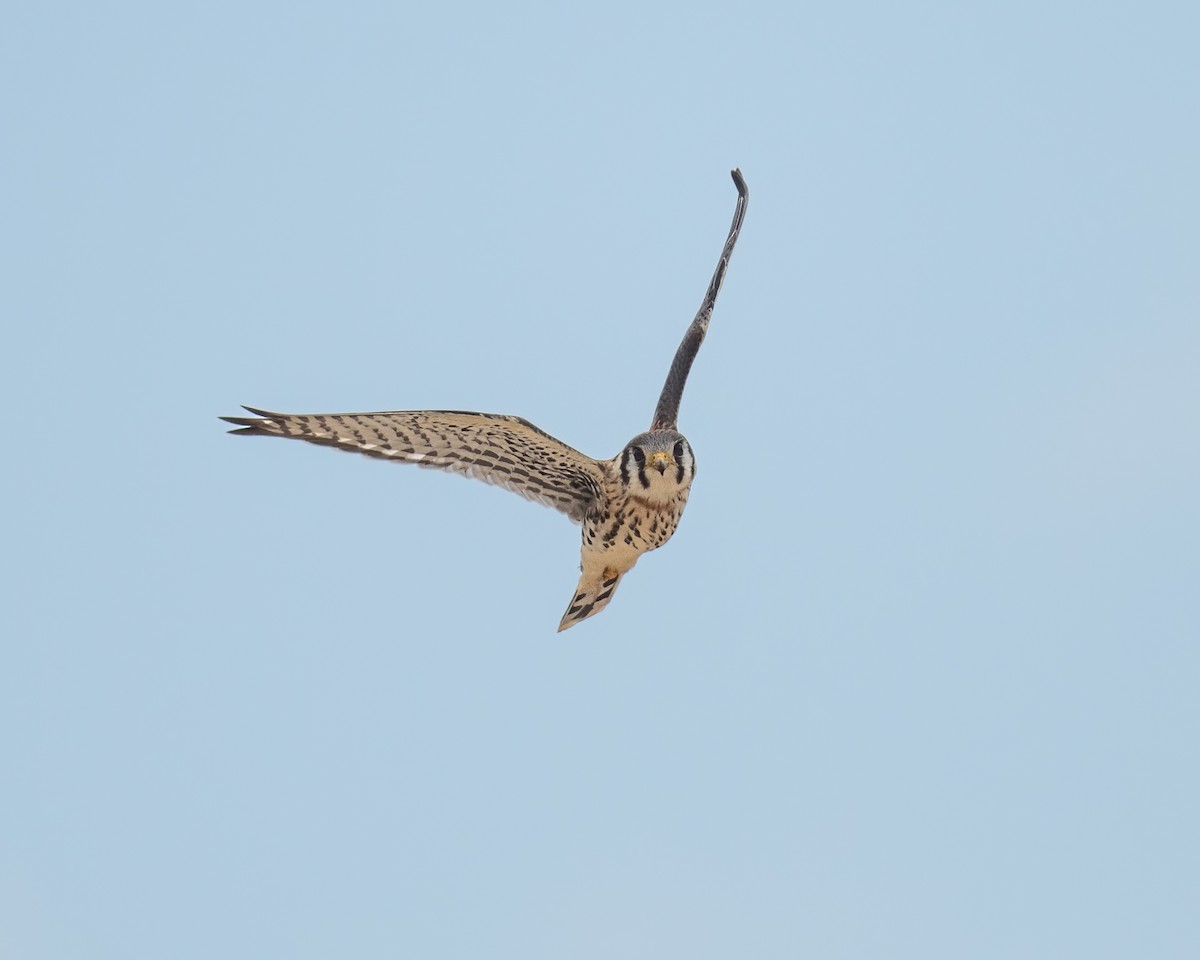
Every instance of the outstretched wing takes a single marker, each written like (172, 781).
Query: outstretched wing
(666, 414)
(507, 451)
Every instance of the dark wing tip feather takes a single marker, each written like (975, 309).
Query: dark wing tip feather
(253, 427)
(248, 427)
(261, 413)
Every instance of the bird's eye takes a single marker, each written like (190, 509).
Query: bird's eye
(639, 454)
(678, 450)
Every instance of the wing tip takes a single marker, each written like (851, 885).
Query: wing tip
(257, 426)
(266, 414)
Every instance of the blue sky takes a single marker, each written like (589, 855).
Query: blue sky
(916, 677)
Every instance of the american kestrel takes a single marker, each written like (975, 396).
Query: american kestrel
(627, 505)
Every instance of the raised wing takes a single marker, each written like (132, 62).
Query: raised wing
(666, 414)
(507, 451)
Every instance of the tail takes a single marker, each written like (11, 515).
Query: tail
(591, 596)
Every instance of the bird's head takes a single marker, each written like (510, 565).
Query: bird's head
(657, 465)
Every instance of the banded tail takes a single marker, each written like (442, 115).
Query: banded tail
(592, 595)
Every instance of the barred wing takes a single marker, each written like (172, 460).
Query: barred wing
(507, 451)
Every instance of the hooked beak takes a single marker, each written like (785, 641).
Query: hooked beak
(660, 461)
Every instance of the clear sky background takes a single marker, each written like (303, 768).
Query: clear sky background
(917, 677)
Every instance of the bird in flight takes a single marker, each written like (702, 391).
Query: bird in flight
(627, 505)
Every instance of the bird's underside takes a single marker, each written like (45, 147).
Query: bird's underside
(627, 505)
